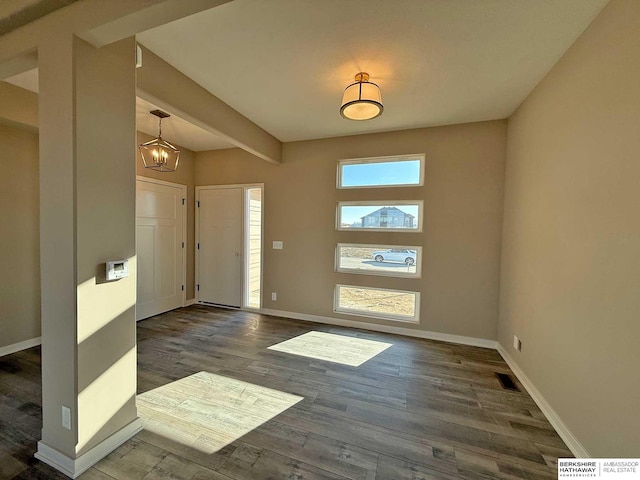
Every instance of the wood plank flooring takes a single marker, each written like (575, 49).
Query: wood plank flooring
(419, 410)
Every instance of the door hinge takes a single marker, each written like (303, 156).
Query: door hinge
(183, 288)
(184, 200)
(182, 244)
(198, 202)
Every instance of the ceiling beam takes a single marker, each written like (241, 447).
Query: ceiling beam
(168, 88)
(19, 106)
(141, 20)
(19, 64)
(99, 22)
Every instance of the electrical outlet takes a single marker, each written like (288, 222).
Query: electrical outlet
(66, 417)
(278, 245)
(274, 296)
(517, 344)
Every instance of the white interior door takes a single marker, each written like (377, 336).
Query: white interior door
(220, 257)
(160, 217)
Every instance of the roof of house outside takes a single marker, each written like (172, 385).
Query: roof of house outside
(388, 211)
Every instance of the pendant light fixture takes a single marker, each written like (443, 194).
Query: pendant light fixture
(362, 99)
(158, 154)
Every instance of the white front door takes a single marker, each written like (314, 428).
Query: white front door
(160, 217)
(220, 246)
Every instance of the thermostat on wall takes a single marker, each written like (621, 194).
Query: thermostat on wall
(117, 269)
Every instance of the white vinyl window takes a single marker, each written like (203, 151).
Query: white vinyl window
(396, 171)
(383, 303)
(385, 260)
(403, 216)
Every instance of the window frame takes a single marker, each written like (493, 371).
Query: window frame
(378, 273)
(386, 159)
(415, 319)
(381, 203)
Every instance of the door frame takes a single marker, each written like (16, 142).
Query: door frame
(183, 188)
(244, 206)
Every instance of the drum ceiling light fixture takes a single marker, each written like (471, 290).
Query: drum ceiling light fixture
(362, 99)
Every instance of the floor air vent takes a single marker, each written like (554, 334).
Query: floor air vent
(506, 382)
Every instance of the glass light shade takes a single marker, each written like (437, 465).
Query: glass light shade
(361, 100)
(160, 155)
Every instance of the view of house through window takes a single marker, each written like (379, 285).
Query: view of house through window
(253, 241)
(380, 216)
(377, 302)
(394, 261)
(404, 170)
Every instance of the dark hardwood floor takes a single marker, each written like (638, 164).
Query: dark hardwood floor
(419, 410)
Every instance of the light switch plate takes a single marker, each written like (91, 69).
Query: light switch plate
(517, 344)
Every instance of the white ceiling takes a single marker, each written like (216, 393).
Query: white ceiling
(284, 63)
(174, 129)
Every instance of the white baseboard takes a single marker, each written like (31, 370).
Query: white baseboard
(409, 332)
(16, 347)
(191, 301)
(554, 419)
(73, 468)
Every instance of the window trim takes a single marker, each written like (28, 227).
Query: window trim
(387, 159)
(382, 203)
(379, 273)
(415, 319)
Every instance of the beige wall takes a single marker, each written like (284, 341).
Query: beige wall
(462, 221)
(184, 176)
(19, 242)
(571, 248)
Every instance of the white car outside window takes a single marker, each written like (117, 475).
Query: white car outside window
(396, 255)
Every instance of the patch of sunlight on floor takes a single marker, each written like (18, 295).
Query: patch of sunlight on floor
(207, 411)
(332, 348)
